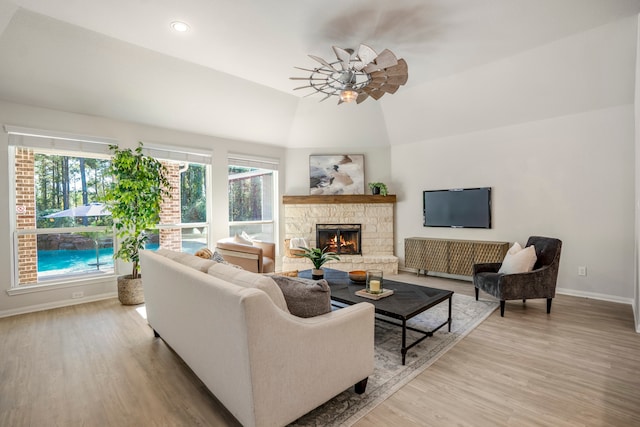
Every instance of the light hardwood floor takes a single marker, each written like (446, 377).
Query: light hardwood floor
(98, 364)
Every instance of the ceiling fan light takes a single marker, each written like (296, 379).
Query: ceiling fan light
(348, 95)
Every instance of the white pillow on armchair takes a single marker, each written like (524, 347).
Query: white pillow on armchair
(519, 260)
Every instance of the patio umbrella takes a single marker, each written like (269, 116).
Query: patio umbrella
(92, 209)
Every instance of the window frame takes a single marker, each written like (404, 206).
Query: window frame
(172, 153)
(58, 144)
(264, 163)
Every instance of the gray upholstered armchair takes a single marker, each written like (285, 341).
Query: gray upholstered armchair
(538, 283)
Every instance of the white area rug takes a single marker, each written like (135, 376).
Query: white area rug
(389, 375)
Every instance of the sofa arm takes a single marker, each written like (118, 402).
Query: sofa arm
(300, 363)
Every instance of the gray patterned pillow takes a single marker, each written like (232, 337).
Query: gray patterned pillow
(305, 297)
(218, 258)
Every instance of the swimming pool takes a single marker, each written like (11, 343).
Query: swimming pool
(69, 261)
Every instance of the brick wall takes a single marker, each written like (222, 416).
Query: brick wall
(171, 238)
(26, 216)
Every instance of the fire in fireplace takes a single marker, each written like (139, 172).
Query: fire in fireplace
(343, 239)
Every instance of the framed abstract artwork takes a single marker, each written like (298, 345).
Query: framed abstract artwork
(336, 174)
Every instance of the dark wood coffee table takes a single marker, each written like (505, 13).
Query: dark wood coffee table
(406, 302)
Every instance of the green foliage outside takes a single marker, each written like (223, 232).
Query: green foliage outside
(245, 195)
(193, 194)
(63, 182)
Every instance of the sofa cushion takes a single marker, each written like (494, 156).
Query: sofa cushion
(189, 260)
(168, 253)
(305, 297)
(193, 261)
(248, 279)
(519, 262)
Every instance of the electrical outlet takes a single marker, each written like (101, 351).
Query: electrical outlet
(582, 270)
(77, 294)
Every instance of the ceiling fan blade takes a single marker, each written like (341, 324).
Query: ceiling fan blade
(371, 67)
(302, 87)
(343, 55)
(307, 78)
(315, 70)
(326, 97)
(399, 69)
(377, 81)
(386, 59)
(322, 61)
(397, 80)
(376, 94)
(361, 97)
(389, 88)
(366, 54)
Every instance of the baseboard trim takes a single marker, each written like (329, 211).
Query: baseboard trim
(56, 304)
(561, 291)
(594, 295)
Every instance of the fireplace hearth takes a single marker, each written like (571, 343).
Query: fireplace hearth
(343, 239)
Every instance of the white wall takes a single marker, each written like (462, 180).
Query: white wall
(569, 177)
(128, 134)
(551, 130)
(323, 123)
(377, 167)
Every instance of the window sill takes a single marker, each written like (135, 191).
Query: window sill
(53, 285)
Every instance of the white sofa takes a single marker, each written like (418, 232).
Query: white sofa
(267, 366)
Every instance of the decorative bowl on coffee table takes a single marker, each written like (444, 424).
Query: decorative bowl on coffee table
(358, 277)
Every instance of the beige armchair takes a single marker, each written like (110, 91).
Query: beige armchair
(258, 258)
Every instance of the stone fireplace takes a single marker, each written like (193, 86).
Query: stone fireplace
(374, 215)
(343, 239)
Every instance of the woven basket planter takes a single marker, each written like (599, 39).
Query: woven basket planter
(130, 290)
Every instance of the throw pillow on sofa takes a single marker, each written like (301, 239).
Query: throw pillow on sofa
(305, 297)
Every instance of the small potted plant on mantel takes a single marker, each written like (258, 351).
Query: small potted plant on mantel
(378, 188)
(318, 257)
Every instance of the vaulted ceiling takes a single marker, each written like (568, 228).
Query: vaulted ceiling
(229, 75)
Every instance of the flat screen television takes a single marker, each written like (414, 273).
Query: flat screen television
(458, 208)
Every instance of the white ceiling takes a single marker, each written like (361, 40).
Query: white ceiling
(257, 41)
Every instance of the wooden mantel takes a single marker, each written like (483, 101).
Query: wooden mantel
(337, 199)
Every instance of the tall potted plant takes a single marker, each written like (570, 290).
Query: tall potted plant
(134, 200)
(318, 257)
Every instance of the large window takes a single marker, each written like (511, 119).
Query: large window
(60, 228)
(184, 224)
(253, 198)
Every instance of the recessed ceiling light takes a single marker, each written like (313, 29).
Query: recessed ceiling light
(179, 26)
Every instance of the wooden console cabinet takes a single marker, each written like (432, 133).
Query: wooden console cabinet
(451, 256)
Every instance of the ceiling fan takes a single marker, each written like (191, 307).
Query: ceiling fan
(355, 76)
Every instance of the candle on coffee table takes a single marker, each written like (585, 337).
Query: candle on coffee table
(374, 286)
